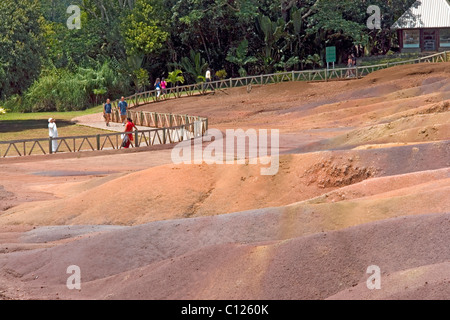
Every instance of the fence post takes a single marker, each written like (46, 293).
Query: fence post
(50, 143)
(136, 139)
(164, 136)
(98, 141)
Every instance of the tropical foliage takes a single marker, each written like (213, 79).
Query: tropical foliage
(175, 77)
(123, 45)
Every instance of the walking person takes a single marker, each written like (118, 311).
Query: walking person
(164, 87)
(158, 88)
(128, 137)
(107, 109)
(53, 133)
(123, 105)
(353, 64)
(349, 72)
(208, 79)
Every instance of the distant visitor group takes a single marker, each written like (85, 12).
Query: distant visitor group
(160, 92)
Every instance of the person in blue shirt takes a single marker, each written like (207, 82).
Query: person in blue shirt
(123, 110)
(158, 88)
(107, 109)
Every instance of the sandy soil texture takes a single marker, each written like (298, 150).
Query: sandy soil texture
(363, 180)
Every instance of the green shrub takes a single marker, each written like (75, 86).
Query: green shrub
(65, 90)
(221, 74)
(13, 103)
(282, 77)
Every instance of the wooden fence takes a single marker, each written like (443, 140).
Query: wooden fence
(156, 119)
(308, 75)
(173, 128)
(191, 128)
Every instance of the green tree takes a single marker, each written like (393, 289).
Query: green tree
(175, 76)
(56, 10)
(140, 78)
(271, 32)
(240, 57)
(313, 60)
(142, 30)
(21, 45)
(65, 90)
(210, 27)
(194, 65)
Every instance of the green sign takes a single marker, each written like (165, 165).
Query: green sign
(331, 54)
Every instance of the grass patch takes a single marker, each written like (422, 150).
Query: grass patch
(45, 115)
(18, 126)
(370, 61)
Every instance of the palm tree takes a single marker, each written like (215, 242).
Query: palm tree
(270, 32)
(194, 65)
(240, 57)
(175, 76)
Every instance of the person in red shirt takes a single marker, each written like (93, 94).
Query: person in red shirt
(129, 137)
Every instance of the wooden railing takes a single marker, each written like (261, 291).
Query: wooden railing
(188, 128)
(172, 128)
(156, 119)
(142, 98)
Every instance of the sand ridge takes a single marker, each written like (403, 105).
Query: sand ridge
(363, 179)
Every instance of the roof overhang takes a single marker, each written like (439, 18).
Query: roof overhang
(425, 14)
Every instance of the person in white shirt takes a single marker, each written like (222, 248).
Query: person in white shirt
(208, 80)
(53, 133)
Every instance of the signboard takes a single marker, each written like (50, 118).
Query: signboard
(331, 54)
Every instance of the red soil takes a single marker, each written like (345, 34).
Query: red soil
(363, 179)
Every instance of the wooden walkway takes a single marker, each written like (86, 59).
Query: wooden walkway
(163, 128)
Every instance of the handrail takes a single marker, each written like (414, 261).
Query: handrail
(322, 74)
(146, 137)
(162, 125)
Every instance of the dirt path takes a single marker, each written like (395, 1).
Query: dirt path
(96, 121)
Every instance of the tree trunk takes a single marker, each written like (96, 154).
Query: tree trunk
(204, 45)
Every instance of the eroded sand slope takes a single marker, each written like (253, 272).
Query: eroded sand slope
(363, 179)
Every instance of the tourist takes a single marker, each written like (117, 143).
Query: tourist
(128, 137)
(164, 87)
(208, 75)
(208, 79)
(353, 64)
(123, 110)
(53, 133)
(158, 88)
(349, 72)
(107, 109)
